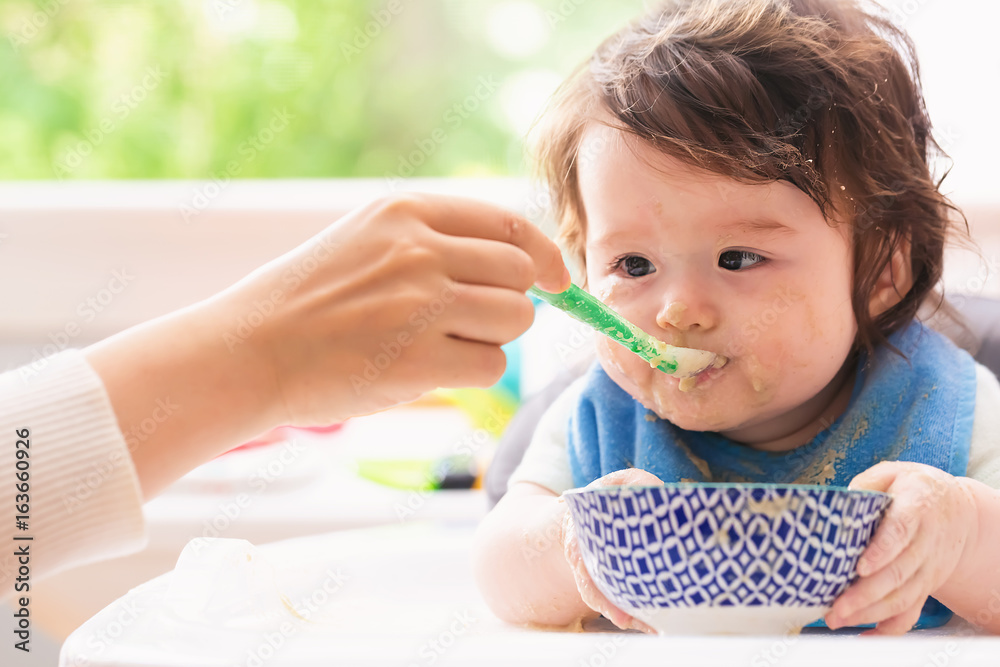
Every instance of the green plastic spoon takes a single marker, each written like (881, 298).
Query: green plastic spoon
(681, 362)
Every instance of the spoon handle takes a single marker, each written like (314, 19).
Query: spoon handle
(582, 306)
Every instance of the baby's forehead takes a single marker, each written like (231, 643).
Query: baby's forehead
(621, 174)
(605, 149)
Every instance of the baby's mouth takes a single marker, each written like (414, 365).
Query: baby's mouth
(685, 362)
(686, 384)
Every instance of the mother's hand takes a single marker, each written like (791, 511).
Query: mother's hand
(399, 297)
(404, 295)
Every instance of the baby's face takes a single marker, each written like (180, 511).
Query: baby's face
(752, 272)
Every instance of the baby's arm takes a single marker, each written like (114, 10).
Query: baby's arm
(519, 562)
(528, 563)
(519, 558)
(973, 591)
(937, 538)
(526, 558)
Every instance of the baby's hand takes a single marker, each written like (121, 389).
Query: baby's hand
(914, 551)
(588, 589)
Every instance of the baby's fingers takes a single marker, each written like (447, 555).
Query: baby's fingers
(896, 533)
(901, 521)
(627, 477)
(596, 601)
(879, 477)
(896, 603)
(897, 625)
(883, 587)
(589, 593)
(642, 627)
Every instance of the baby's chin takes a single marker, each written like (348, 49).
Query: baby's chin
(706, 408)
(690, 415)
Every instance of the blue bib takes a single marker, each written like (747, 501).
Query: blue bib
(917, 409)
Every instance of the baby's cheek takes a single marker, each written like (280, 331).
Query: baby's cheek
(634, 375)
(629, 371)
(763, 379)
(612, 355)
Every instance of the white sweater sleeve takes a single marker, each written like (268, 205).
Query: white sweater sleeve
(984, 451)
(83, 502)
(546, 462)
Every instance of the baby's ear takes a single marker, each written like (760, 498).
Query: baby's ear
(894, 282)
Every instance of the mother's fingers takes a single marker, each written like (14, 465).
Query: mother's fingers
(459, 363)
(488, 314)
(466, 217)
(488, 262)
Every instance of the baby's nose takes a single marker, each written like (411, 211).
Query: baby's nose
(673, 315)
(685, 314)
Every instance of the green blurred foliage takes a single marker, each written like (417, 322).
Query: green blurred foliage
(197, 88)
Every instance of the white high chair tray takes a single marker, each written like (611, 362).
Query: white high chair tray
(405, 595)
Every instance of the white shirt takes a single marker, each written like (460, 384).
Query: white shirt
(82, 497)
(546, 462)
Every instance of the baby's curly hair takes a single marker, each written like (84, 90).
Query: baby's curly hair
(824, 94)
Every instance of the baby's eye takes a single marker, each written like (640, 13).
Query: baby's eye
(737, 260)
(634, 265)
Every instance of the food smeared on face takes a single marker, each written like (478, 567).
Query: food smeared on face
(720, 274)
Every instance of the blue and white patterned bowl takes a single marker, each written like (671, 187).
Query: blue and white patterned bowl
(724, 558)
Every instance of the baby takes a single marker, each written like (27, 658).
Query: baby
(751, 178)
